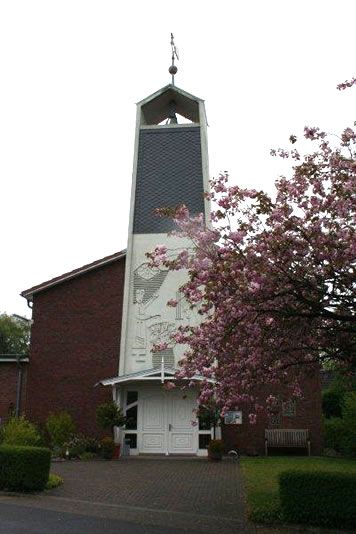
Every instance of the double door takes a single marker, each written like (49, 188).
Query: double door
(165, 422)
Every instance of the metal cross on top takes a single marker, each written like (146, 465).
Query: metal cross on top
(173, 68)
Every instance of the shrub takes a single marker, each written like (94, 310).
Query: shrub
(348, 444)
(333, 400)
(91, 445)
(340, 433)
(215, 449)
(24, 468)
(60, 427)
(334, 433)
(107, 448)
(216, 446)
(109, 415)
(75, 447)
(78, 445)
(19, 431)
(318, 498)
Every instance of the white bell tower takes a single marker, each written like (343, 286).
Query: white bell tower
(170, 168)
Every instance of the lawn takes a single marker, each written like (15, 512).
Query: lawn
(261, 480)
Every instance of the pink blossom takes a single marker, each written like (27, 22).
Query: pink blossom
(252, 418)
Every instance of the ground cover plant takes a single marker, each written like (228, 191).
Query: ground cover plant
(261, 476)
(54, 481)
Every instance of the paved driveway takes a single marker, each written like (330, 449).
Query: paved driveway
(193, 495)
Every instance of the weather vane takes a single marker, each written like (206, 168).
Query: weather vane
(173, 69)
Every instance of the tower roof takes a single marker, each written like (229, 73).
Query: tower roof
(154, 107)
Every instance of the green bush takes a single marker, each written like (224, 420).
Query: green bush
(109, 415)
(60, 426)
(318, 498)
(78, 445)
(333, 400)
(91, 445)
(334, 433)
(340, 433)
(216, 446)
(348, 445)
(19, 431)
(24, 468)
(107, 448)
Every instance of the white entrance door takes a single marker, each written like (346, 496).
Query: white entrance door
(165, 423)
(182, 435)
(153, 438)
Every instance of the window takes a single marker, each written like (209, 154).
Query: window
(132, 396)
(289, 408)
(205, 419)
(132, 438)
(131, 410)
(204, 440)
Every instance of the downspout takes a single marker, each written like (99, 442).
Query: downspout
(19, 386)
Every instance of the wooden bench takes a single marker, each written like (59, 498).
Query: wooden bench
(285, 437)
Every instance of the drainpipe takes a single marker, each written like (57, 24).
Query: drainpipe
(19, 386)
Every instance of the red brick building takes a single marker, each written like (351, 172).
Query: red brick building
(75, 339)
(75, 343)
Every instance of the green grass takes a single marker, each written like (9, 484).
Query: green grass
(261, 480)
(54, 481)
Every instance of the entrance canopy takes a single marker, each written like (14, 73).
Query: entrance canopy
(161, 374)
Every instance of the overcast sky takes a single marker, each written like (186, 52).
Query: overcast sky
(72, 70)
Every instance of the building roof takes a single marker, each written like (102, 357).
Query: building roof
(28, 293)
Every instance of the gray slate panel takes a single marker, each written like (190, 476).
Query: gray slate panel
(169, 173)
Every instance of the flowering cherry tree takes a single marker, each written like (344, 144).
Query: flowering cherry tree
(273, 278)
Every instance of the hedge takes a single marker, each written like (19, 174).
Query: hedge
(24, 468)
(318, 498)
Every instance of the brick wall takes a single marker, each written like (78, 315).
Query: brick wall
(250, 438)
(74, 344)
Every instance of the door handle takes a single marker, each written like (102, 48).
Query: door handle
(169, 427)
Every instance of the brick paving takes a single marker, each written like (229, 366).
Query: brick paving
(181, 485)
(188, 494)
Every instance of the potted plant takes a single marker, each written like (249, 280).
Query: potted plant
(215, 450)
(108, 416)
(107, 448)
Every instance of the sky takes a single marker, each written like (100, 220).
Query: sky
(71, 72)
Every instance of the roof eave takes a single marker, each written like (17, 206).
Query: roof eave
(28, 293)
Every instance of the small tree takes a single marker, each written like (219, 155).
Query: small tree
(109, 415)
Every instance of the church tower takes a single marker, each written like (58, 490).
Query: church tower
(170, 168)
